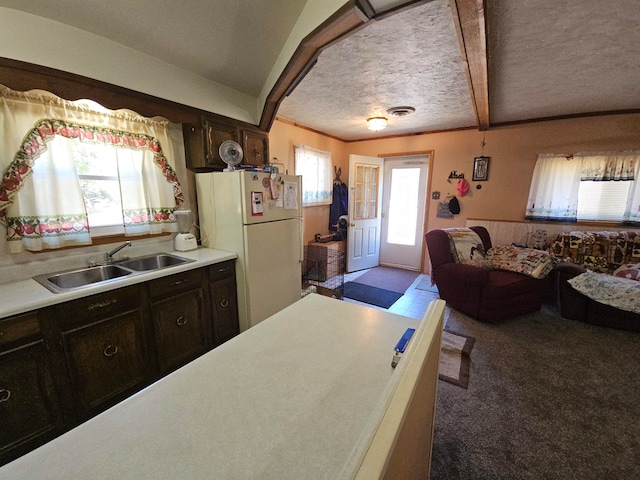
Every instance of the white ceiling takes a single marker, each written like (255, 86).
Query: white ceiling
(544, 59)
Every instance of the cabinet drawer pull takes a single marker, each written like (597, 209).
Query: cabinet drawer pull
(181, 320)
(178, 282)
(110, 351)
(103, 304)
(224, 303)
(4, 395)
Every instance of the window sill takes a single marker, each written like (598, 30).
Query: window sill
(106, 239)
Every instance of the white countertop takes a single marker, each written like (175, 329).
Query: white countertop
(298, 396)
(25, 295)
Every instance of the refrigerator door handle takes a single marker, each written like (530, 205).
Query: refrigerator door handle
(300, 233)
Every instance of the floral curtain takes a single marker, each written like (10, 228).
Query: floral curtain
(554, 189)
(315, 166)
(41, 200)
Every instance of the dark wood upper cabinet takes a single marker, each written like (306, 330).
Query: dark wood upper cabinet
(215, 134)
(202, 144)
(255, 144)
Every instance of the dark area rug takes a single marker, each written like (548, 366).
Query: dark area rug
(387, 278)
(371, 295)
(548, 398)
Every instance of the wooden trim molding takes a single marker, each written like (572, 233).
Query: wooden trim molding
(344, 21)
(22, 76)
(470, 23)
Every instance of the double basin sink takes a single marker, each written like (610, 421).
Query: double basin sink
(71, 280)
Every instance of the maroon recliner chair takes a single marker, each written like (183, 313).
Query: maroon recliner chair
(484, 294)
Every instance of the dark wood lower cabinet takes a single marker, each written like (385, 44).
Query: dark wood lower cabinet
(61, 365)
(180, 328)
(107, 360)
(29, 406)
(224, 304)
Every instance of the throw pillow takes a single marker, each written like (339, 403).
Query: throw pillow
(629, 270)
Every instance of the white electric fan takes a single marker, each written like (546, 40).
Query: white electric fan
(231, 153)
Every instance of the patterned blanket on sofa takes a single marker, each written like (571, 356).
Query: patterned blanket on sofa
(622, 293)
(602, 252)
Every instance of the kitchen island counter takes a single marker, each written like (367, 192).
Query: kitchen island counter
(307, 393)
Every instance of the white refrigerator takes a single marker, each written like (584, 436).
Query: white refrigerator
(259, 217)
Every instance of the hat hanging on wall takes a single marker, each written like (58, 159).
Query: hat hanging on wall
(454, 206)
(463, 187)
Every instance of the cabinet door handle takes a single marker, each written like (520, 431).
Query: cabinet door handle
(4, 395)
(224, 303)
(110, 351)
(103, 304)
(178, 282)
(181, 320)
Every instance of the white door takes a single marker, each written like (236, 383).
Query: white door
(403, 209)
(365, 206)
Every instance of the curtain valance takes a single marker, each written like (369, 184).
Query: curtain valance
(41, 199)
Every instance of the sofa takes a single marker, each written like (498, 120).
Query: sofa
(472, 286)
(604, 253)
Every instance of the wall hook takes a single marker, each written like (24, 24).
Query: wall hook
(455, 175)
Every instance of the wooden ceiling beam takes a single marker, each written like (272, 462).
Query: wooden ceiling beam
(470, 23)
(349, 18)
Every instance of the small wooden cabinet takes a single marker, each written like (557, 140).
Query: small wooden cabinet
(255, 144)
(224, 302)
(61, 365)
(105, 348)
(215, 134)
(29, 404)
(181, 329)
(202, 143)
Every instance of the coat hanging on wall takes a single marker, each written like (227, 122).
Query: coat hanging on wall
(454, 206)
(340, 203)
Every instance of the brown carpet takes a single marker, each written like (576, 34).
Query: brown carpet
(387, 278)
(549, 398)
(454, 358)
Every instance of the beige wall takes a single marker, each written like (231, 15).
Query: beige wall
(282, 138)
(513, 151)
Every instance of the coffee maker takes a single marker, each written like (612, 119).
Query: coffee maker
(184, 240)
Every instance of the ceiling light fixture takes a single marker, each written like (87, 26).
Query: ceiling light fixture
(376, 123)
(400, 111)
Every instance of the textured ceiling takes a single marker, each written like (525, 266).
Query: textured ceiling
(545, 58)
(409, 59)
(561, 57)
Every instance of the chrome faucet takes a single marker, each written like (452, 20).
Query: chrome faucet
(109, 255)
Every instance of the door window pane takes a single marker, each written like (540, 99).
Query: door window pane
(403, 206)
(366, 191)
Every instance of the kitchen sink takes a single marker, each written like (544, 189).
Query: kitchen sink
(81, 277)
(153, 262)
(90, 276)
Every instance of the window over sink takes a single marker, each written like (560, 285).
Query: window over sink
(77, 171)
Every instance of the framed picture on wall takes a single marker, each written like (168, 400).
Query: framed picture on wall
(480, 169)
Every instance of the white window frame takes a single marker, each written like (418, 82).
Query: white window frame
(315, 167)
